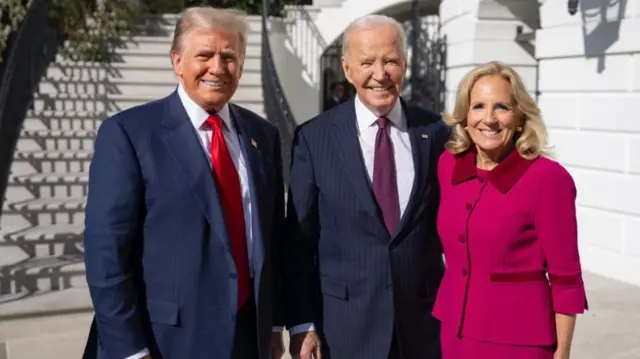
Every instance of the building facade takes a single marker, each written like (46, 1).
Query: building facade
(583, 68)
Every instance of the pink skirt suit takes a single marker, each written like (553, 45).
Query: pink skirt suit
(510, 244)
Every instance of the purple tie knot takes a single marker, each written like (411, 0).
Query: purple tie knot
(382, 122)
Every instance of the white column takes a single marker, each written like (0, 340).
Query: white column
(479, 31)
(590, 98)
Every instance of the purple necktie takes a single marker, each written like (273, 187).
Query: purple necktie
(385, 186)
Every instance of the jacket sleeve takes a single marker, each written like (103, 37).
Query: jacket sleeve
(300, 278)
(556, 227)
(276, 236)
(112, 222)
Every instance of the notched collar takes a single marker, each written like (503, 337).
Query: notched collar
(503, 177)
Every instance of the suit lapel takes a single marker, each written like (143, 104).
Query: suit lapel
(346, 140)
(184, 145)
(421, 150)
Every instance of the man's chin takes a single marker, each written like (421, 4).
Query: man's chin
(382, 101)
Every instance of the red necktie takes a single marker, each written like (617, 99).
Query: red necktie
(228, 185)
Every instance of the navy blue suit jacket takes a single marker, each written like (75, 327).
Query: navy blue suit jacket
(158, 258)
(343, 271)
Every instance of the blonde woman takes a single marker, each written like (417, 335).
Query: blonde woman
(507, 222)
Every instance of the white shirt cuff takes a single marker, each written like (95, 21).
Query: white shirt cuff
(141, 354)
(302, 328)
(277, 329)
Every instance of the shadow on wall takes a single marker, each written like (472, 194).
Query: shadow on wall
(303, 96)
(528, 12)
(601, 26)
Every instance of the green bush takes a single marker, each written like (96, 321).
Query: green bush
(12, 12)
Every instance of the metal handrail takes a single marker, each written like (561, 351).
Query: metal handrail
(306, 39)
(276, 105)
(30, 50)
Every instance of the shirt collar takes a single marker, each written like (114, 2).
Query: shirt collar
(365, 118)
(503, 177)
(198, 115)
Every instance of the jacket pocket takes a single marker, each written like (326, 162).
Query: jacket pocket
(163, 312)
(334, 288)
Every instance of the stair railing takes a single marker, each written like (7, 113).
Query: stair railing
(30, 50)
(305, 38)
(276, 105)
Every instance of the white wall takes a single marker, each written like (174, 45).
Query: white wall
(479, 31)
(303, 95)
(590, 96)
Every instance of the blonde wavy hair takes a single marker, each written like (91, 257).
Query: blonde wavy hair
(530, 142)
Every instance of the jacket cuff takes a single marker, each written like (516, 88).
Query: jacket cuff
(569, 295)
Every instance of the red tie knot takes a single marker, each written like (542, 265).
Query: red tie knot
(214, 121)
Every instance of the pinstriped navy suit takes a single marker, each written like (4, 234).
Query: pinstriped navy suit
(342, 270)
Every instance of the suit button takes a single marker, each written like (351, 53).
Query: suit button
(468, 206)
(465, 272)
(481, 180)
(233, 276)
(461, 238)
(389, 286)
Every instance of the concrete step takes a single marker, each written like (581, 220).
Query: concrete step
(149, 61)
(253, 38)
(120, 74)
(163, 48)
(42, 303)
(51, 178)
(144, 60)
(55, 139)
(121, 89)
(47, 205)
(50, 234)
(57, 134)
(60, 120)
(169, 23)
(112, 104)
(56, 160)
(50, 185)
(61, 336)
(43, 247)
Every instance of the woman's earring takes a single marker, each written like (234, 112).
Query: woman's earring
(519, 129)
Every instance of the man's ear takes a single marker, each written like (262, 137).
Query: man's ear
(346, 69)
(176, 61)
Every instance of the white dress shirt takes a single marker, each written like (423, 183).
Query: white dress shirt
(405, 171)
(198, 117)
(367, 130)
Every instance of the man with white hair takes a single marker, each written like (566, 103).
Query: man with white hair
(363, 261)
(185, 204)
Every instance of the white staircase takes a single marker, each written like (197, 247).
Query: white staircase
(41, 242)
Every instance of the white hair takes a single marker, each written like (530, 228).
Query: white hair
(369, 22)
(195, 18)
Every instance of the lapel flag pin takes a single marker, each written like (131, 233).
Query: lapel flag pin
(424, 135)
(254, 143)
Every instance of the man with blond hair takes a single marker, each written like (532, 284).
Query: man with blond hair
(184, 209)
(363, 261)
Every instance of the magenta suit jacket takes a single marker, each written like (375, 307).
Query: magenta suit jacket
(511, 249)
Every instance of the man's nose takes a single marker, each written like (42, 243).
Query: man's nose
(379, 72)
(216, 65)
